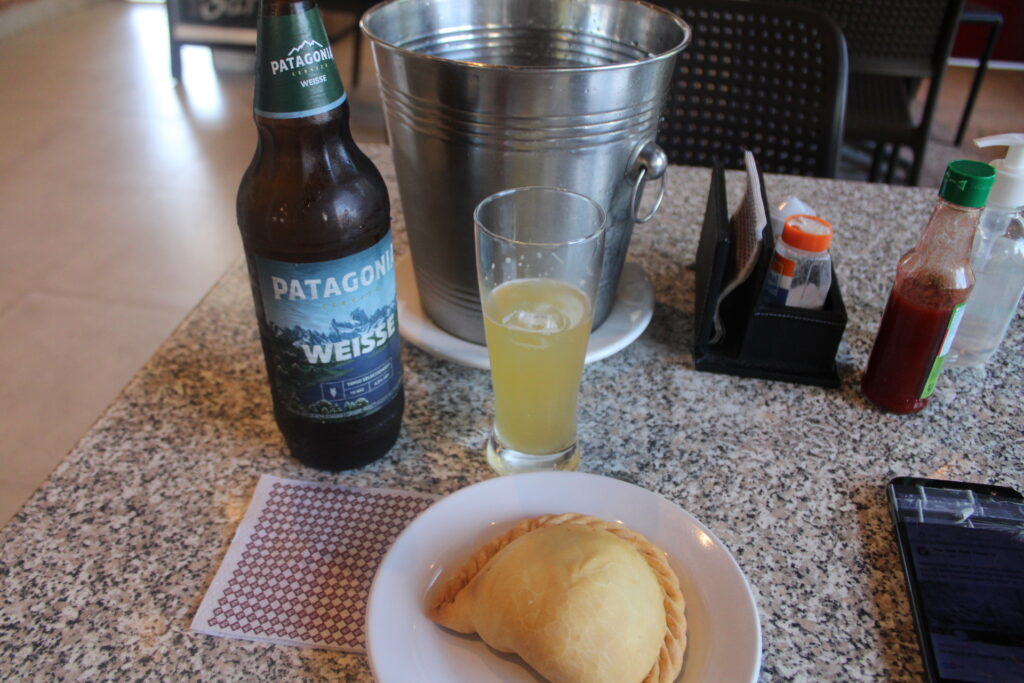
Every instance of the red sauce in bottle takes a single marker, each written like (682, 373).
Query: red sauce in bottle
(933, 281)
(914, 326)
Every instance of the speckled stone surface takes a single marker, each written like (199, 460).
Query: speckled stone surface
(102, 570)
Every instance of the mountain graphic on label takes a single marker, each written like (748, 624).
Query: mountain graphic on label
(303, 44)
(334, 392)
(331, 330)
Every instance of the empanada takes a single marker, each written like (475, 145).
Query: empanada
(578, 598)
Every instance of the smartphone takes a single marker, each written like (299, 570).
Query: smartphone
(962, 550)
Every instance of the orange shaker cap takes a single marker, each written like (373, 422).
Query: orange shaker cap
(809, 233)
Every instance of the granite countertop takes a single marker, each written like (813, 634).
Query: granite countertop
(104, 567)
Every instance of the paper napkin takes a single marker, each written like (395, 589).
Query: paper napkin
(299, 568)
(747, 223)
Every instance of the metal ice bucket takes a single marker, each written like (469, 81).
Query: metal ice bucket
(484, 95)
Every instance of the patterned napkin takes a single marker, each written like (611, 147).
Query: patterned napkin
(299, 568)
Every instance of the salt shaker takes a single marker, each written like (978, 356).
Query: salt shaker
(801, 271)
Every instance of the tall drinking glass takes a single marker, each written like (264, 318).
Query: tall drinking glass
(539, 252)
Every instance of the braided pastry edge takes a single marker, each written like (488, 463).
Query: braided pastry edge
(670, 657)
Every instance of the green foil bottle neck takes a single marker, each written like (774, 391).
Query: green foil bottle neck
(296, 75)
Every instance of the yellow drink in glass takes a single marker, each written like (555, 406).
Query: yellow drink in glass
(537, 331)
(539, 253)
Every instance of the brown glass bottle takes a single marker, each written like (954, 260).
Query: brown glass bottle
(314, 216)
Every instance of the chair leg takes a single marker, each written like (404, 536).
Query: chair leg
(915, 170)
(172, 20)
(979, 74)
(176, 60)
(358, 50)
(894, 159)
(876, 162)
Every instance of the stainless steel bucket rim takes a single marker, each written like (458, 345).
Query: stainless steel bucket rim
(364, 26)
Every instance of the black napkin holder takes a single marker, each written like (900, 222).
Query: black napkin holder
(761, 340)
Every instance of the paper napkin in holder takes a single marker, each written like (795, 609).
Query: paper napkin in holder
(757, 339)
(747, 226)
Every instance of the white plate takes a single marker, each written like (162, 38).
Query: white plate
(630, 314)
(724, 636)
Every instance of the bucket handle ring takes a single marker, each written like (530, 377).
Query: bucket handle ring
(650, 160)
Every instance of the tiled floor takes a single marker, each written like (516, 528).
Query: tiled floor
(117, 203)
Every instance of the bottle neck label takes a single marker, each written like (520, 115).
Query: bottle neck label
(331, 333)
(295, 71)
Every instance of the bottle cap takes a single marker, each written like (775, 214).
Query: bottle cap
(1008, 190)
(789, 207)
(809, 233)
(967, 183)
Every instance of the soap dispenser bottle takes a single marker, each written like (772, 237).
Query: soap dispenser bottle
(998, 260)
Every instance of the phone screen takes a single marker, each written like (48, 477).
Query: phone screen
(962, 547)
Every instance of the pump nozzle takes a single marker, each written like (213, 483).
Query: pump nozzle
(1008, 189)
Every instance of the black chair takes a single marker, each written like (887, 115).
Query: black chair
(894, 46)
(355, 8)
(756, 76)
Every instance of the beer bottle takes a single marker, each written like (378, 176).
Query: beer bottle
(314, 215)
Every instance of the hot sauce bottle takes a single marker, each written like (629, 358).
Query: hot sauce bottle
(933, 281)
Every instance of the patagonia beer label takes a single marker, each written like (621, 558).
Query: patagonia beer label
(332, 330)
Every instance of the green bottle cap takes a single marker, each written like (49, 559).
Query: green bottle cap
(967, 183)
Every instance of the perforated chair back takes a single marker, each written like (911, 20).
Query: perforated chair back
(758, 76)
(894, 45)
(893, 37)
